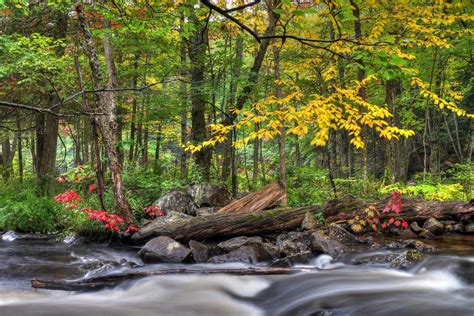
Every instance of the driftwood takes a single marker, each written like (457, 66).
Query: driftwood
(257, 201)
(112, 280)
(412, 210)
(226, 225)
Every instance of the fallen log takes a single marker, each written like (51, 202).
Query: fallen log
(343, 209)
(112, 280)
(257, 201)
(226, 225)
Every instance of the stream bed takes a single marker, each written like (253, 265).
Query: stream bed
(442, 284)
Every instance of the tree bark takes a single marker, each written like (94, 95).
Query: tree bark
(226, 225)
(106, 123)
(412, 210)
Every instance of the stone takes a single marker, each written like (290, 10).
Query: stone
(199, 251)
(292, 243)
(414, 227)
(238, 242)
(207, 194)
(339, 233)
(426, 234)
(407, 259)
(299, 258)
(309, 222)
(321, 243)
(411, 244)
(247, 254)
(176, 201)
(206, 211)
(468, 229)
(164, 249)
(433, 226)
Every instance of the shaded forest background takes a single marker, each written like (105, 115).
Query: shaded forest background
(140, 97)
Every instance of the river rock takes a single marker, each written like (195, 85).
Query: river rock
(206, 211)
(411, 244)
(238, 242)
(207, 194)
(177, 201)
(199, 251)
(164, 249)
(414, 227)
(299, 258)
(406, 260)
(252, 254)
(293, 242)
(321, 243)
(339, 233)
(468, 229)
(433, 226)
(309, 221)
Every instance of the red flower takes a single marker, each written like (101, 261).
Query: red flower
(67, 197)
(391, 220)
(384, 225)
(405, 225)
(92, 186)
(397, 223)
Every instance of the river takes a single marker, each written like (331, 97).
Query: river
(442, 284)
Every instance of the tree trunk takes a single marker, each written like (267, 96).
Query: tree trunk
(412, 210)
(106, 123)
(226, 225)
(197, 45)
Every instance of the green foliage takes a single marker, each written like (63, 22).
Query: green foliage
(428, 191)
(24, 211)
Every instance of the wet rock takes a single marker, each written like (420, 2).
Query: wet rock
(176, 201)
(207, 194)
(293, 242)
(299, 258)
(309, 222)
(206, 211)
(272, 249)
(248, 254)
(238, 242)
(452, 226)
(339, 233)
(407, 259)
(468, 229)
(414, 227)
(411, 244)
(426, 234)
(199, 251)
(433, 226)
(164, 249)
(321, 243)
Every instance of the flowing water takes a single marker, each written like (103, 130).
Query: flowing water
(443, 284)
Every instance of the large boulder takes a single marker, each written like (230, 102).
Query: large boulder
(251, 254)
(207, 194)
(164, 249)
(199, 251)
(433, 226)
(238, 242)
(321, 243)
(177, 201)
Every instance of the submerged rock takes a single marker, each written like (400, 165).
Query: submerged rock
(164, 249)
(177, 201)
(411, 244)
(433, 226)
(252, 254)
(207, 194)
